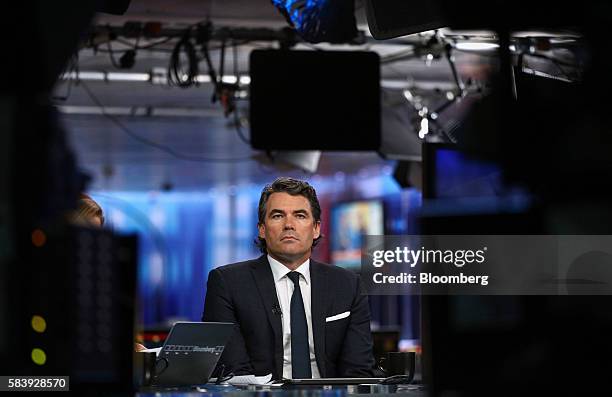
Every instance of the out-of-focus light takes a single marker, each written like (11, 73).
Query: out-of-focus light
(39, 238)
(38, 356)
(90, 76)
(450, 96)
(156, 76)
(424, 128)
(203, 78)
(409, 345)
(230, 79)
(475, 46)
(118, 76)
(117, 217)
(433, 116)
(428, 59)
(158, 217)
(38, 324)
(156, 266)
(408, 95)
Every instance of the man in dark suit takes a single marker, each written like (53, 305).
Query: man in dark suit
(295, 317)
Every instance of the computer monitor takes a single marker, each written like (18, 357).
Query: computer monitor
(349, 222)
(315, 100)
(393, 18)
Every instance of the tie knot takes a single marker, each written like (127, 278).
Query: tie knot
(295, 277)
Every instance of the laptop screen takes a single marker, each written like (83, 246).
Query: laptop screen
(191, 353)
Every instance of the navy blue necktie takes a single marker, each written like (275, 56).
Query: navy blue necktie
(300, 351)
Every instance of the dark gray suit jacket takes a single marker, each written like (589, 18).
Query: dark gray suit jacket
(244, 293)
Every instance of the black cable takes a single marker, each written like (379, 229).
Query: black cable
(222, 61)
(147, 46)
(150, 45)
(235, 61)
(448, 51)
(165, 50)
(211, 70)
(175, 68)
(156, 145)
(111, 54)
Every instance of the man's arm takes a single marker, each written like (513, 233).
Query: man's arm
(357, 358)
(218, 306)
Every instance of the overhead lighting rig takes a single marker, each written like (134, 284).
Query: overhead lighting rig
(191, 46)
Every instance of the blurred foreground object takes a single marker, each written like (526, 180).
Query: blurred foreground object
(320, 20)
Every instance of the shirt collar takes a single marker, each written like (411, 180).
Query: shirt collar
(279, 270)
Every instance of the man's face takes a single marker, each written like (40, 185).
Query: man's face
(289, 227)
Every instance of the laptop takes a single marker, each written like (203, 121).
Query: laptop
(190, 353)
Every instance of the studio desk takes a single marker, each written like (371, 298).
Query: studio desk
(213, 390)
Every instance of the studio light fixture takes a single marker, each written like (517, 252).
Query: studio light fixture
(475, 46)
(152, 77)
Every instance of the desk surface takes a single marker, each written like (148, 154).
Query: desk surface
(311, 391)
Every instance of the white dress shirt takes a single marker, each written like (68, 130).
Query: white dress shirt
(284, 290)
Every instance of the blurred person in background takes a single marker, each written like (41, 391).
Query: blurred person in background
(90, 214)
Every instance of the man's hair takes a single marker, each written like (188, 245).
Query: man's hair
(294, 187)
(87, 208)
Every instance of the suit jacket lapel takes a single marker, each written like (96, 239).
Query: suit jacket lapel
(319, 301)
(267, 290)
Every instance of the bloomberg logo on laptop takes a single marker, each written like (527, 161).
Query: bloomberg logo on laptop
(186, 349)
